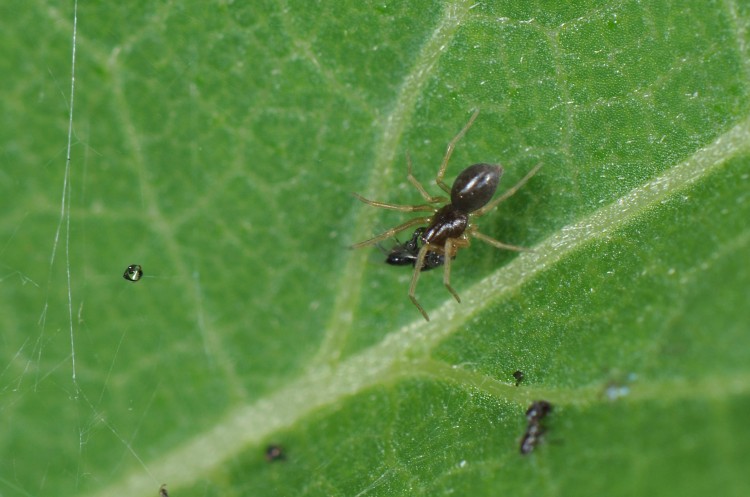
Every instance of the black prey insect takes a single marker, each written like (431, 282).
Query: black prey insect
(450, 227)
(404, 254)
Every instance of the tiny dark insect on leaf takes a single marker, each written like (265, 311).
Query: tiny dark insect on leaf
(275, 453)
(536, 412)
(405, 254)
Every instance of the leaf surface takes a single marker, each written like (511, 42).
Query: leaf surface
(217, 145)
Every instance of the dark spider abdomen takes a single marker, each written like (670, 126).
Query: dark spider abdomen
(448, 222)
(475, 186)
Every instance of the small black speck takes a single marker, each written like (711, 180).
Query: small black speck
(275, 453)
(518, 375)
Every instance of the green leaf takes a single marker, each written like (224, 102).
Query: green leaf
(217, 145)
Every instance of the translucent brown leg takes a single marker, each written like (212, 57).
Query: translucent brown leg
(508, 193)
(498, 244)
(394, 207)
(391, 232)
(415, 277)
(414, 181)
(450, 243)
(449, 152)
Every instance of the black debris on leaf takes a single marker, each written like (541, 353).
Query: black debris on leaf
(134, 272)
(275, 453)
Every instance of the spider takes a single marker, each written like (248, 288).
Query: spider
(449, 228)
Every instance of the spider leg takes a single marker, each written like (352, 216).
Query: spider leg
(415, 277)
(499, 244)
(394, 207)
(508, 193)
(415, 182)
(451, 246)
(392, 231)
(449, 152)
